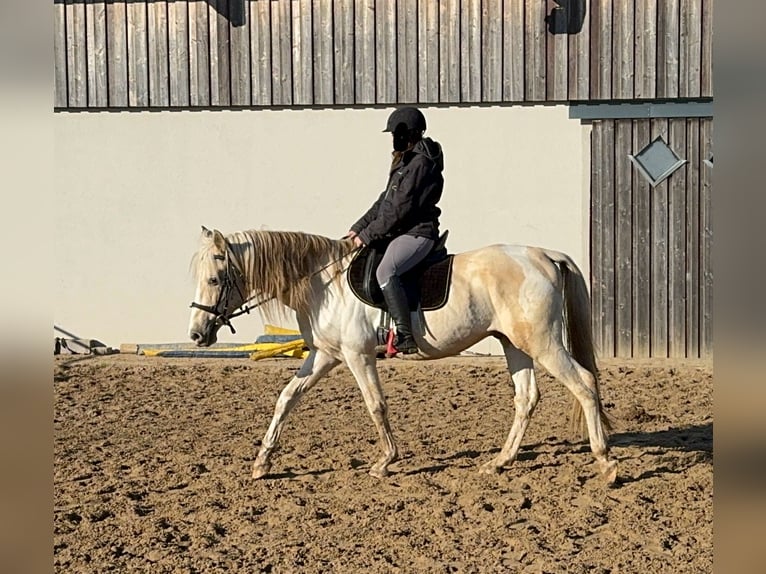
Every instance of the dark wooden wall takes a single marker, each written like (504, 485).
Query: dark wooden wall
(651, 267)
(221, 53)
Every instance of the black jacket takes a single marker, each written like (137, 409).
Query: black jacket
(408, 204)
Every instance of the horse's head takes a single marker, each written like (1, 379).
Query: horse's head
(220, 288)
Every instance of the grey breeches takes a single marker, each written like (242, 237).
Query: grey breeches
(401, 255)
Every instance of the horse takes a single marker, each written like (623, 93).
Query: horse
(529, 298)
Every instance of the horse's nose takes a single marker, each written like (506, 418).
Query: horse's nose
(196, 337)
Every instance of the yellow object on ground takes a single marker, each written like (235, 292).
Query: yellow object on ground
(274, 330)
(292, 349)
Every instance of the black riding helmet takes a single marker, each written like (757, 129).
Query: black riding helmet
(412, 118)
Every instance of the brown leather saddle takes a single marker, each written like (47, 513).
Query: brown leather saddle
(426, 285)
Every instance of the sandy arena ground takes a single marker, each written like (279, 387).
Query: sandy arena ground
(153, 456)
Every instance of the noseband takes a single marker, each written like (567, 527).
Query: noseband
(231, 280)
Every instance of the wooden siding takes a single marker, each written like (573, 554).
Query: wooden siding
(650, 246)
(247, 53)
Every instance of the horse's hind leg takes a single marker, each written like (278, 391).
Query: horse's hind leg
(525, 400)
(581, 382)
(363, 368)
(314, 368)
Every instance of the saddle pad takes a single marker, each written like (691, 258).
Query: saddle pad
(427, 284)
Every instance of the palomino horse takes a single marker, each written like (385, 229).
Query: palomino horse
(523, 296)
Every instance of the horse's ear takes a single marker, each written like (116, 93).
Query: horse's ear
(206, 232)
(219, 241)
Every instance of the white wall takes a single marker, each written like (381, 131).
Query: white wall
(133, 189)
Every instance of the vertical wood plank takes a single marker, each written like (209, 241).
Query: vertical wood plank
(623, 41)
(690, 49)
(95, 17)
(603, 236)
(117, 54)
(449, 51)
(138, 58)
(608, 243)
(706, 50)
(645, 53)
(677, 242)
(534, 45)
(239, 38)
(428, 52)
(178, 51)
(660, 249)
(596, 231)
(281, 49)
(159, 80)
(344, 52)
(60, 86)
(260, 55)
(706, 240)
(364, 51)
(194, 41)
(407, 51)
(642, 242)
(324, 61)
(557, 66)
(623, 239)
(385, 51)
(667, 49)
(492, 51)
(199, 54)
(470, 52)
(214, 43)
(693, 253)
(220, 59)
(303, 53)
(579, 60)
(601, 49)
(77, 74)
(513, 51)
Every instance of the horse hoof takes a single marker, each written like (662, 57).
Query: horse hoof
(379, 472)
(609, 471)
(489, 468)
(261, 470)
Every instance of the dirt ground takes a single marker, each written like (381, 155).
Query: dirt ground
(153, 456)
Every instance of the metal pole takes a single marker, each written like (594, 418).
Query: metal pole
(67, 333)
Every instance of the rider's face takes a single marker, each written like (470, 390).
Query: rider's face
(401, 138)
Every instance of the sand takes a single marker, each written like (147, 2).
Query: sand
(153, 459)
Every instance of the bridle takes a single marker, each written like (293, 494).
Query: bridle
(233, 278)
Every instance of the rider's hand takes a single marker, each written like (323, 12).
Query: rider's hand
(358, 242)
(349, 235)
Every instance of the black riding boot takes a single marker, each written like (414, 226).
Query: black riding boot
(396, 301)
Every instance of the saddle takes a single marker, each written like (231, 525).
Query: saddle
(426, 285)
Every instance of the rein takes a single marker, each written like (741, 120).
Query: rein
(224, 297)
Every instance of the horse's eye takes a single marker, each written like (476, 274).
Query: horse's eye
(213, 281)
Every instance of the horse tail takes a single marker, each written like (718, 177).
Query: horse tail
(579, 334)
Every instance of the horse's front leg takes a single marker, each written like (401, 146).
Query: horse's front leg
(316, 366)
(363, 368)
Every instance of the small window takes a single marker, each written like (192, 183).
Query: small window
(657, 161)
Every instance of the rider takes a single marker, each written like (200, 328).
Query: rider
(405, 215)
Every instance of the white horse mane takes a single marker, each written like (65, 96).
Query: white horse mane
(278, 265)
